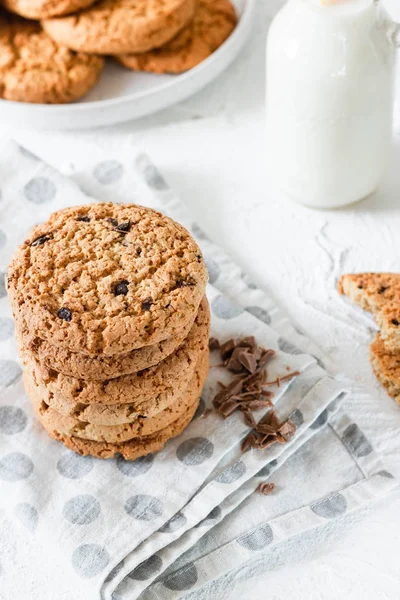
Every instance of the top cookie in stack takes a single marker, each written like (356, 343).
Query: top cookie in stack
(100, 293)
(379, 293)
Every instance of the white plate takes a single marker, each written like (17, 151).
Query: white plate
(122, 95)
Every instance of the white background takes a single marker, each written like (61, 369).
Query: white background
(211, 150)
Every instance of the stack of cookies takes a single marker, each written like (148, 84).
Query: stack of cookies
(113, 327)
(53, 51)
(379, 294)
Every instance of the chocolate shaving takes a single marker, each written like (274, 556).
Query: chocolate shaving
(279, 380)
(266, 488)
(247, 393)
(213, 344)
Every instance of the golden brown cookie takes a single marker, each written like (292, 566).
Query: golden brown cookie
(121, 26)
(100, 368)
(128, 450)
(119, 414)
(43, 9)
(386, 366)
(213, 23)
(107, 279)
(142, 426)
(378, 293)
(34, 68)
(119, 400)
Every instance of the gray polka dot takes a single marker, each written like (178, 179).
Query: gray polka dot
(177, 522)
(3, 291)
(200, 409)
(82, 509)
(89, 560)
(151, 175)
(249, 282)
(10, 371)
(12, 420)
(195, 451)
(108, 172)
(288, 347)
(297, 417)
(6, 328)
(257, 539)
(114, 572)
(214, 515)
(223, 308)
(147, 569)
(385, 473)
(259, 313)
(356, 442)
(74, 466)
(321, 420)
(27, 515)
(3, 238)
(143, 507)
(330, 507)
(198, 232)
(213, 270)
(233, 473)
(40, 190)
(15, 466)
(184, 579)
(135, 468)
(267, 470)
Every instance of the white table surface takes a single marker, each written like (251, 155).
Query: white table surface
(211, 149)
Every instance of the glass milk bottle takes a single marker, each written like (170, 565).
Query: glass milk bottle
(330, 73)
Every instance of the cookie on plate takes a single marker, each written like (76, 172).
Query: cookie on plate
(34, 68)
(378, 293)
(386, 367)
(43, 9)
(213, 23)
(100, 368)
(122, 26)
(107, 279)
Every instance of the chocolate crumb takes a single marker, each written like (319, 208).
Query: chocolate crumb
(206, 413)
(395, 322)
(84, 219)
(40, 240)
(213, 344)
(121, 289)
(65, 314)
(266, 488)
(113, 222)
(181, 284)
(382, 290)
(123, 227)
(147, 304)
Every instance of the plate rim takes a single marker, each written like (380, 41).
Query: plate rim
(82, 107)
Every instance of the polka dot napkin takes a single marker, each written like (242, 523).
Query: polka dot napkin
(172, 523)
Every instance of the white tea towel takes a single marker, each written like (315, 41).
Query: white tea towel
(115, 525)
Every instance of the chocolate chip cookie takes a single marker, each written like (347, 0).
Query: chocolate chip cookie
(43, 9)
(34, 68)
(378, 293)
(106, 279)
(213, 23)
(118, 400)
(100, 368)
(120, 26)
